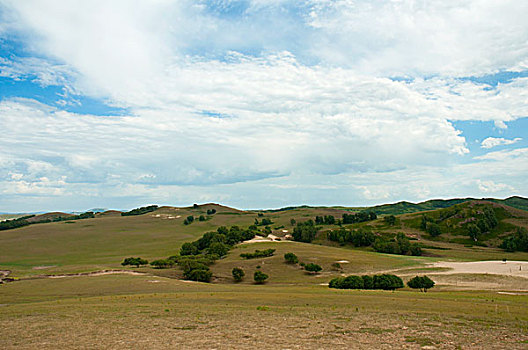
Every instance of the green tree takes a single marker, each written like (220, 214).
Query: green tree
(201, 218)
(421, 282)
(260, 277)
(238, 274)
(312, 268)
(218, 248)
(291, 258)
(391, 220)
(134, 262)
(189, 249)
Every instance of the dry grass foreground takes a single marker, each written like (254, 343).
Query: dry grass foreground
(147, 312)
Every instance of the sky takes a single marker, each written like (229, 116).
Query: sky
(260, 104)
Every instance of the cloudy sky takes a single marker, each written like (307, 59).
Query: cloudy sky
(260, 103)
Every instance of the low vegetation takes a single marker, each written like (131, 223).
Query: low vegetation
(140, 211)
(423, 283)
(384, 282)
(258, 254)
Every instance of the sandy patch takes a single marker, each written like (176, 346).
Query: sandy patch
(284, 231)
(43, 267)
(91, 274)
(494, 267)
(343, 261)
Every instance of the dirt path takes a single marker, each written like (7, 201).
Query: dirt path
(494, 267)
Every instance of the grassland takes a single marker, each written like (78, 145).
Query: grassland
(293, 310)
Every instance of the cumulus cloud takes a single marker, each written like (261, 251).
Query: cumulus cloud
(492, 187)
(219, 104)
(491, 142)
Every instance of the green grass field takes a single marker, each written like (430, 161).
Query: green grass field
(293, 310)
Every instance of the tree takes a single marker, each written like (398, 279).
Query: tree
(292, 222)
(473, 231)
(201, 218)
(391, 220)
(260, 277)
(304, 231)
(200, 275)
(421, 282)
(218, 248)
(312, 268)
(291, 258)
(162, 263)
(238, 274)
(433, 229)
(134, 262)
(188, 220)
(189, 249)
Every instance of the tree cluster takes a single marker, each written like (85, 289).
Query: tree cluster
(483, 224)
(430, 226)
(359, 238)
(325, 220)
(140, 211)
(15, 223)
(134, 262)
(263, 222)
(384, 282)
(401, 246)
(423, 283)
(390, 220)
(258, 254)
(304, 231)
(211, 211)
(361, 216)
(517, 241)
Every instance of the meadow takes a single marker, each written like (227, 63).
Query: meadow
(154, 308)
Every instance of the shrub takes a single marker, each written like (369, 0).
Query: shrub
(140, 211)
(162, 263)
(189, 249)
(238, 274)
(336, 266)
(200, 275)
(385, 282)
(291, 258)
(188, 220)
(134, 262)
(421, 282)
(352, 282)
(258, 254)
(313, 268)
(260, 277)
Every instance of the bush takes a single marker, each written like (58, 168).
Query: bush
(189, 249)
(140, 211)
(211, 211)
(352, 282)
(313, 268)
(260, 277)
(390, 220)
(238, 274)
(258, 254)
(385, 282)
(291, 258)
(134, 262)
(200, 275)
(162, 263)
(188, 220)
(423, 283)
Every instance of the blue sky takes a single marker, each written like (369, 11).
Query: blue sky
(260, 104)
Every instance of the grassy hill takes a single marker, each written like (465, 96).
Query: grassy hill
(154, 308)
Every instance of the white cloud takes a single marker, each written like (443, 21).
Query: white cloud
(491, 142)
(222, 101)
(492, 187)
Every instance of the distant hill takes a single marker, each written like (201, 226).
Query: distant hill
(408, 207)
